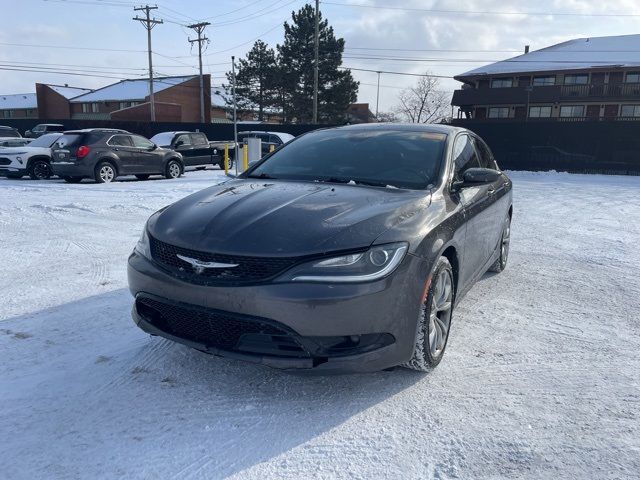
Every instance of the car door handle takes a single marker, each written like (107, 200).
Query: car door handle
(491, 191)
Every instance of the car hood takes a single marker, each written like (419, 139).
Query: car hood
(26, 151)
(282, 218)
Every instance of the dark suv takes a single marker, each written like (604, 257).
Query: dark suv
(43, 128)
(104, 154)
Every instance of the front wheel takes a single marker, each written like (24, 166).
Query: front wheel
(173, 170)
(105, 172)
(434, 321)
(40, 170)
(505, 240)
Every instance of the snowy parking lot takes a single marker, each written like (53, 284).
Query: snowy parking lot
(541, 378)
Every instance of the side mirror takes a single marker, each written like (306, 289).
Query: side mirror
(476, 177)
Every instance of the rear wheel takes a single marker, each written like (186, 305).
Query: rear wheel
(105, 172)
(501, 262)
(72, 179)
(142, 177)
(434, 321)
(40, 170)
(221, 164)
(173, 170)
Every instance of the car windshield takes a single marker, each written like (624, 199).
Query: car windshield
(395, 158)
(9, 133)
(45, 140)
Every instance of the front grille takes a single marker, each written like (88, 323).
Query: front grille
(248, 269)
(219, 329)
(5, 161)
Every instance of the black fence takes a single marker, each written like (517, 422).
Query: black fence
(611, 147)
(214, 131)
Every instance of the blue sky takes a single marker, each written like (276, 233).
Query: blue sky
(407, 34)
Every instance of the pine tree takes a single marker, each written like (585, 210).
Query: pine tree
(256, 79)
(336, 88)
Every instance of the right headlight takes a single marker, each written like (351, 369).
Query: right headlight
(377, 262)
(143, 246)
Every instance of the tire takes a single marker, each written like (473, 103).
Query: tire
(501, 263)
(173, 169)
(72, 179)
(40, 170)
(14, 176)
(105, 172)
(142, 177)
(221, 164)
(434, 321)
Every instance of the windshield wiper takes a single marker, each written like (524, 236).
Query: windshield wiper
(262, 176)
(371, 183)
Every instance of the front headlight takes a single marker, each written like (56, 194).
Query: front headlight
(143, 247)
(375, 263)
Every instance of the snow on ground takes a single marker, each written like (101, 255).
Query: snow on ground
(541, 378)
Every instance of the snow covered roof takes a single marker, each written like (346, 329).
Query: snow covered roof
(581, 53)
(127, 90)
(69, 92)
(218, 96)
(18, 100)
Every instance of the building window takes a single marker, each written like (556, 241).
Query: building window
(572, 111)
(95, 108)
(7, 113)
(499, 112)
(630, 111)
(85, 108)
(633, 77)
(502, 82)
(544, 81)
(577, 79)
(540, 112)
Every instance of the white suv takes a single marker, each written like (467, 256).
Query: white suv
(33, 160)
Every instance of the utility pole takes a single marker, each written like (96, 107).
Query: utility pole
(235, 119)
(199, 28)
(378, 96)
(316, 41)
(149, 23)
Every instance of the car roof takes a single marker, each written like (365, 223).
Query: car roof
(52, 124)
(89, 130)
(177, 132)
(4, 127)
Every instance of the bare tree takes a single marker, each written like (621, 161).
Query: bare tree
(424, 102)
(388, 117)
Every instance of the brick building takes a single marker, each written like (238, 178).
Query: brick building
(177, 99)
(582, 79)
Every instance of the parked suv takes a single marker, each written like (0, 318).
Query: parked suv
(43, 128)
(104, 154)
(9, 132)
(33, 159)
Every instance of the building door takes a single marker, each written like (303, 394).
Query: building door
(481, 112)
(520, 112)
(593, 112)
(524, 81)
(616, 77)
(610, 111)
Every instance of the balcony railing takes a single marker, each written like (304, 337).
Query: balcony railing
(547, 94)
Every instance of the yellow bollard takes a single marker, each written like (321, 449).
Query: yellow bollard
(272, 147)
(245, 155)
(226, 158)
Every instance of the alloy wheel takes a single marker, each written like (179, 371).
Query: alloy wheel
(41, 171)
(440, 313)
(106, 173)
(174, 170)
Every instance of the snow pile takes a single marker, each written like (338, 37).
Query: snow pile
(541, 378)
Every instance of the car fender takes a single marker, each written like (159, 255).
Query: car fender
(33, 158)
(174, 156)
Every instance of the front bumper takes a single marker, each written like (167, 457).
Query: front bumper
(11, 165)
(384, 312)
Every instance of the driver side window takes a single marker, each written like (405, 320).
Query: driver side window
(464, 156)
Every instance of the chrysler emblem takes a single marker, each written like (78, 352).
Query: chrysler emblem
(200, 266)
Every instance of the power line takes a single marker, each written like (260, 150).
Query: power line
(395, 73)
(36, 70)
(256, 14)
(483, 12)
(70, 47)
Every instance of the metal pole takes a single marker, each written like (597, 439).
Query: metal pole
(235, 118)
(199, 28)
(149, 23)
(315, 63)
(378, 97)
